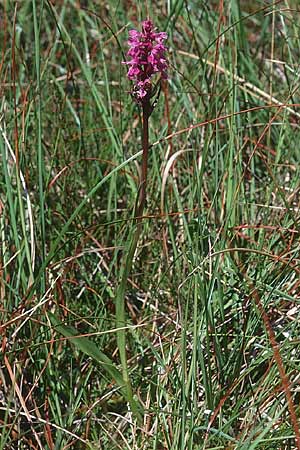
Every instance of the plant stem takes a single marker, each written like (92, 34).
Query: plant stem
(129, 255)
(145, 144)
(40, 151)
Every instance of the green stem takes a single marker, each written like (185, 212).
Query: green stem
(130, 251)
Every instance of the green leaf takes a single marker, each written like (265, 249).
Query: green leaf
(88, 347)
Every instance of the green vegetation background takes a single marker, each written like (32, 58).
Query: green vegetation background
(213, 298)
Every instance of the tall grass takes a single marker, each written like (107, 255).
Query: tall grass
(212, 300)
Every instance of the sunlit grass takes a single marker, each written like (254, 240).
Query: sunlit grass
(217, 266)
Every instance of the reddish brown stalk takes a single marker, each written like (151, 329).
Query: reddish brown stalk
(227, 116)
(221, 19)
(13, 76)
(144, 172)
(286, 385)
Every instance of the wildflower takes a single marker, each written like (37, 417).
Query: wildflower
(147, 52)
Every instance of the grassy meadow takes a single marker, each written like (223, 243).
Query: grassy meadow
(212, 300)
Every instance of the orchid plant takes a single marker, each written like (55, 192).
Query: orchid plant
(147, 52)
(147, 64)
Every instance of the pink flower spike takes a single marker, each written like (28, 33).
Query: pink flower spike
(147, 53)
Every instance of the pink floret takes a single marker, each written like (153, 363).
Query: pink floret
(147, 52)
